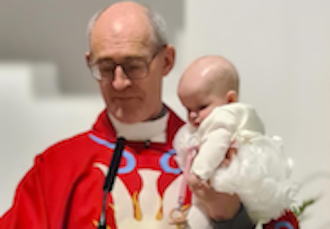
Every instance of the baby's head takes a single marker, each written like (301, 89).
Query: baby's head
(208, 82)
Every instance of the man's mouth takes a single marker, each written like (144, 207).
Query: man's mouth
(124, 98)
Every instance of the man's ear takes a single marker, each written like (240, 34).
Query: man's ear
(87, 58)
(169, 59)
(231, 96)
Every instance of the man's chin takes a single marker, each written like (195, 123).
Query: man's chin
(127, 117)
(129, 120)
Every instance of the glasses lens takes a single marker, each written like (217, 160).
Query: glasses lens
(135, 69)
(96, 72)
(103, 70)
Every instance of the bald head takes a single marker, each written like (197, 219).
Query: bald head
(213, 73)
(129, 15)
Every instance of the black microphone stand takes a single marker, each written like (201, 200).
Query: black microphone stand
(110, 179)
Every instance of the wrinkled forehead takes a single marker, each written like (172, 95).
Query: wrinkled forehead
(121, 37)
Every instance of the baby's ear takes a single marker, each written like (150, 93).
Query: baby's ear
(231, 96)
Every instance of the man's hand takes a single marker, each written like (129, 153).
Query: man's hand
(220, 206)
(229, 157)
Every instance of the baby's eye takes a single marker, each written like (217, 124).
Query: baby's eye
(202, 107)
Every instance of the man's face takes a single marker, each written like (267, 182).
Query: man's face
(129, 100)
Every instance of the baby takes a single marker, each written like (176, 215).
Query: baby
(216, 122)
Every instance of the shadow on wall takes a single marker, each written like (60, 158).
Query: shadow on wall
(54, 31)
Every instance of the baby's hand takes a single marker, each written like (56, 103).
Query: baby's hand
(195, 183)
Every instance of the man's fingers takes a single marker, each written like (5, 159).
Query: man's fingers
(231, 153)
(229, 157)
(225, 163)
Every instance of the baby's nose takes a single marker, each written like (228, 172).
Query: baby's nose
(193, 115)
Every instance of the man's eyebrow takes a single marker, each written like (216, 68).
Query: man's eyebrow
(104, 59)
(126, 58)
(134, 57)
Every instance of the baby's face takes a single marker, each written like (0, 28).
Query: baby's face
(199, 103)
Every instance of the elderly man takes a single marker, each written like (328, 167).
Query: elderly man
(129, 56)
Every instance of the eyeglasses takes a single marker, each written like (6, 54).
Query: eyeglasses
(134, 68)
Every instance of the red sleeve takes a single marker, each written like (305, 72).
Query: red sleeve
(287, 221)
(29, 209)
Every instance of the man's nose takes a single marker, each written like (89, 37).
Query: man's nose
(120, 80)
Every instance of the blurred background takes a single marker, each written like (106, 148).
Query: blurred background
(281, 49)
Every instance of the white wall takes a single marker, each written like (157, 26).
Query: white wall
(31, 121)
(281, 49)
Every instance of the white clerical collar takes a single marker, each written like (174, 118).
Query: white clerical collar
(153, 130)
